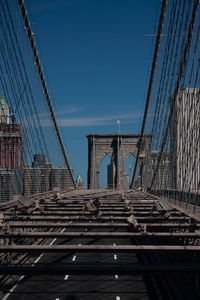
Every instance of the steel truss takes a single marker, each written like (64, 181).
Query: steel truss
(155, 242)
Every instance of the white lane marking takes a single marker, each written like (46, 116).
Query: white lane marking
(116, 276)
(57, 299)
(22, 277)
(74, 258)
(115, 255)
(13, 288)
(52, 242)
(35, 262)
(66, 277)
(39, 257)
(118, 298)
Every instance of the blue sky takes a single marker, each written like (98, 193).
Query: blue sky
(97, 59)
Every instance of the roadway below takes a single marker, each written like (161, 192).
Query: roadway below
(118, 273)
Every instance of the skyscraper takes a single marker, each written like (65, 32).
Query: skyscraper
(10, 154)
(10, 139)
(185, 140)
(4, 110)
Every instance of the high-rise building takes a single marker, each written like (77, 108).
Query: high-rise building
(7, 183)
(10, 139)
(4, 110)
(10, 154)
(185, 140)
(163, 178)
(61, 178)
(38, 160)
(16, 176)
(36, 180)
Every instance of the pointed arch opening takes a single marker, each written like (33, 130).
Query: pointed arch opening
(106, 173)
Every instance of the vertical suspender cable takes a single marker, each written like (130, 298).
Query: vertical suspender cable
(94, 175)
(118, 168)
(183, 64)
(39, 68)
(160, 25)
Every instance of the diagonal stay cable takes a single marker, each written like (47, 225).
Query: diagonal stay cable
(39, 68)
(180, 76)
(160, 26)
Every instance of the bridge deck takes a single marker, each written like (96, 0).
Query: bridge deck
(60, 249)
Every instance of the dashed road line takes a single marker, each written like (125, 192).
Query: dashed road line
(22, 277)
(52, 242)
(13, 288)
(39, 257)
(74, 258)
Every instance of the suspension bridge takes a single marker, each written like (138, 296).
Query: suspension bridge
(140, 237)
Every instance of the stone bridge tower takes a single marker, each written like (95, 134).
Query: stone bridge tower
(119, 147)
